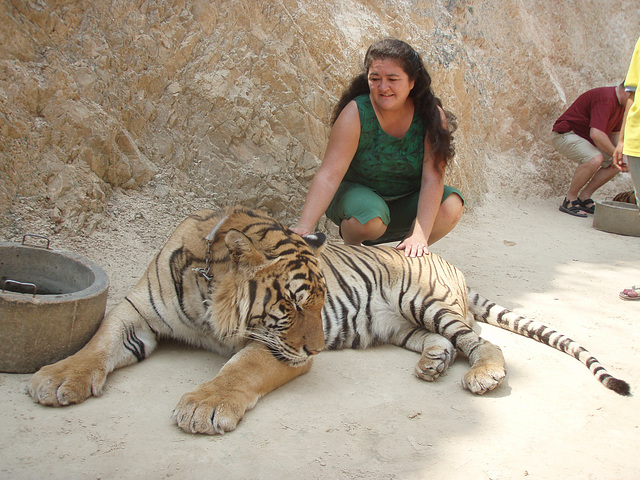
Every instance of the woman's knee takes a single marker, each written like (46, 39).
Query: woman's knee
(451, 210)
(355, 232)
(448, 217)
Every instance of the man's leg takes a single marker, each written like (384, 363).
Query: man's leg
(589, 160)
(602, 176)
(582, 175)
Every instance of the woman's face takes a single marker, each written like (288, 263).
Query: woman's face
(389, 84)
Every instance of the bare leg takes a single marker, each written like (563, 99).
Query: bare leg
(448, 217)
(449, 214)
(582, 175)
(602, 176)
(354, 233)
(634, 169)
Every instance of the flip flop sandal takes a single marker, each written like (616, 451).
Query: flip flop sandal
(587, 205)
(632, 293)
(575, 209)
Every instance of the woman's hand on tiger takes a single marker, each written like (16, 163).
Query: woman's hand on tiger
(413, 247)
(302, 231)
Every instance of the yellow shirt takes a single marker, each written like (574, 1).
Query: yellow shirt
(632, 127)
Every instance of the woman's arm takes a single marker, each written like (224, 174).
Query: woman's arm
(431, 188)
(342, 146)
(417, 241)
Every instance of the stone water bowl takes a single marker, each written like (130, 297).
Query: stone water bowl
(617, 217)
(51, 304)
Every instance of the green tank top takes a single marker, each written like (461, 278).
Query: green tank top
(391, 166)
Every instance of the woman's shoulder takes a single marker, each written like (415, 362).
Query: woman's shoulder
(364, 102)
(348, 118)
(364, 108)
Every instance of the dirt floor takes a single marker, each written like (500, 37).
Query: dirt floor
(362, 414)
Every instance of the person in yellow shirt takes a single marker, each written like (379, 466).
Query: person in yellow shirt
(627, 153)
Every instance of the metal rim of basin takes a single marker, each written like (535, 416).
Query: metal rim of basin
(99, 279)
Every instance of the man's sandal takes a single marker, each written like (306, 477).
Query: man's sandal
(572, 208)
(587, 205)
(632, 293)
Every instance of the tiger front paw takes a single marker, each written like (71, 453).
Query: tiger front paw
(480, 380)
(204, 411)
(66, 383)
(433, 362)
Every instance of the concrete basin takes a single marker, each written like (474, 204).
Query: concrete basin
(617, 217)
(51, 304)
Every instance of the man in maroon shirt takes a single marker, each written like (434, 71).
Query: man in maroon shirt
(587, 133)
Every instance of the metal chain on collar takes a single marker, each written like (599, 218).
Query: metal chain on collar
(205, 272)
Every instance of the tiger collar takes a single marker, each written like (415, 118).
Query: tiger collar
(206, 271)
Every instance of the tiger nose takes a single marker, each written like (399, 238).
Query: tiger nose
(311, 352)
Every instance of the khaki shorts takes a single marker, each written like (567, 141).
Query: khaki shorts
(577, 149)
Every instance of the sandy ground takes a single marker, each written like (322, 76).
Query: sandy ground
(362, 414)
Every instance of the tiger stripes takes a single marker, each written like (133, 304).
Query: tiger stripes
(243, 285)
(376, 295)
(488, 312)
(625, 197)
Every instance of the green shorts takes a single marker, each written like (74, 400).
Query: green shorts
(364, 203)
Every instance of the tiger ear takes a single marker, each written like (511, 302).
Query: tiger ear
(241, 249)
(316, 242)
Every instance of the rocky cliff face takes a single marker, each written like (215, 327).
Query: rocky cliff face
(230, 100)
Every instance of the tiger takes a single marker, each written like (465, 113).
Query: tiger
(240, 283)
(625, 197)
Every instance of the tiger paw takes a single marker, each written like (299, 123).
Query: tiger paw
(433, 362)
(480, 380)
(64, 383)
(209, 413)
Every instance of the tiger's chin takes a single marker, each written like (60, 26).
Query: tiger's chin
(290, 359)
(280, 350)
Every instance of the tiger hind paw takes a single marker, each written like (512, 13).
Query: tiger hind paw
(433, 362)
(480, 380)
(205, 411)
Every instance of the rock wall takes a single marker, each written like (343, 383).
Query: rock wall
(230, 100)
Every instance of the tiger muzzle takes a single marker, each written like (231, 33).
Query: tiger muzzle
(310, 333)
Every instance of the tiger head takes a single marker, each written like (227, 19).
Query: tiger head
(267, 285)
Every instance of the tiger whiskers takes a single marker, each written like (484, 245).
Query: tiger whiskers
(277, 346)
(265, 337)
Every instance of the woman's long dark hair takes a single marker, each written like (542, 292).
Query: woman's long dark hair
(426, 103)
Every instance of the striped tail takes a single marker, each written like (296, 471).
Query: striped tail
(488, 312)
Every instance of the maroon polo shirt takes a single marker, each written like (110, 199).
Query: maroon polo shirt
(598, 108)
